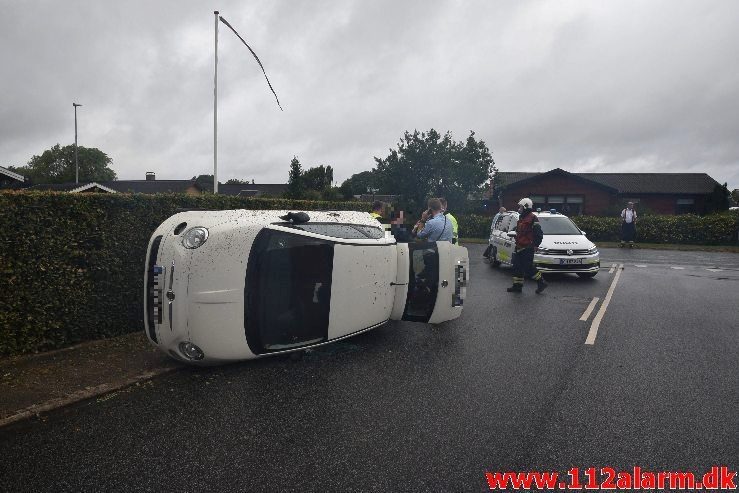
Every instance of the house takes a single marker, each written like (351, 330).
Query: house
(91, 187)
(151, 185)
(11, 179)
(600, 194)
(253, 190)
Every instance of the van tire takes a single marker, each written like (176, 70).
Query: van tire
(586, 275)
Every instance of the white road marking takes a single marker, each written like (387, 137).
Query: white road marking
(613, 267)
(599, 316)
(677, 268)
(639, 265)
(715, 270)
(589, 309)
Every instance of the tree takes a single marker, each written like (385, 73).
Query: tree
(236, 181)
(295, 187)
(205, 182)
(332, 194)
(429, 164)
(735, 195)
(358, 184)
(57, 165)
(719, 200)
(318, 178)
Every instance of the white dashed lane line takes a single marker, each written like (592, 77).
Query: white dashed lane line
(677, 267)
(603, 307)
(589, 309)
(639, 265)
(613, 267)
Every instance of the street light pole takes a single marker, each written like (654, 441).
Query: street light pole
(215, 112)
(76, 164)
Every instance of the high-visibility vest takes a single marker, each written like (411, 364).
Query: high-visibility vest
(455, 226)
(381, 220)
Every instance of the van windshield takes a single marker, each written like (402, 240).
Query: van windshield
(558, 226)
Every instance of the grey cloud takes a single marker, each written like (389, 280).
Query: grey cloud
(586, 86)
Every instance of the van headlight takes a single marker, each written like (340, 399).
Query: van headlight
(195, 237)
(542, 250)
(592, 251)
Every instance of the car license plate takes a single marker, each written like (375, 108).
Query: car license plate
(564, 261)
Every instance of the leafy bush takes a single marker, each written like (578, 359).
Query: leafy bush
(713, 229)
(474, 226)
(71, 265)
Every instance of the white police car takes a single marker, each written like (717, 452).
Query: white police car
(231, 285)
(563, 249)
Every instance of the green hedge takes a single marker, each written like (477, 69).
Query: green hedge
(473, 225)
(71, 265)
(713, 229)
(686, 229)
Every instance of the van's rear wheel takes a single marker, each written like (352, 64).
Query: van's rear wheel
(586, 275)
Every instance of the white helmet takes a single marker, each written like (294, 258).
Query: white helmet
(526, 203)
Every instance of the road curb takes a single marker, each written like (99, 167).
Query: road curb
(82, 395)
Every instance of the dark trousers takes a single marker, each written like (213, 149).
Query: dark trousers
(628, 230)
(523, 266)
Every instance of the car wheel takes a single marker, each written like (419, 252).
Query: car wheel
(586, 275)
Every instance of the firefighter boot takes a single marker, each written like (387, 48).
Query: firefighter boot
(540, 285)
(516, 288)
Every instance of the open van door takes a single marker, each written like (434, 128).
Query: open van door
(436, 281)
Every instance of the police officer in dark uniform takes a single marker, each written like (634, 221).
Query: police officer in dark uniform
(528, 238)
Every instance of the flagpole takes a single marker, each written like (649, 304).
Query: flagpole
(215, 113)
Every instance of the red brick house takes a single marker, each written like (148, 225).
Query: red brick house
(602, 194)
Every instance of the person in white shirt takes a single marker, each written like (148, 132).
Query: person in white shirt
(628, 225)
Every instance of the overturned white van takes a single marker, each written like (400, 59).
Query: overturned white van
(224, 286)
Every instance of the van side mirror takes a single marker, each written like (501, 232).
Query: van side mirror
(511, 234)
(583, 232)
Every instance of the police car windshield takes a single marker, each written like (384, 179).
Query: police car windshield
(558, 226)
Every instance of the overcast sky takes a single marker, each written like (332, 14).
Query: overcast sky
(588, 86)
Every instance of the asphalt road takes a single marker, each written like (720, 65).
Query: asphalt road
(511, 385)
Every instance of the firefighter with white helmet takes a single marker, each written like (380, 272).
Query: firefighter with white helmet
(528, 237)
